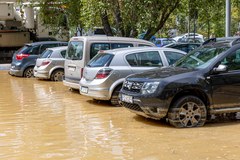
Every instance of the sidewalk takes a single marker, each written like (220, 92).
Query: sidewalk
(5, 66)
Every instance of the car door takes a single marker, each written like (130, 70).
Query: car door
(226, 86)
(144, 60)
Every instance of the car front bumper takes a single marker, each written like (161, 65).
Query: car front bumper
(148, 107)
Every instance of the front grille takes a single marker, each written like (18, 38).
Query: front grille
(131, 106)
(132, 86)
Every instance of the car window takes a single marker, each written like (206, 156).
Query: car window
(34, 50)
(63, 53)
(143, 59)
(100, 60)
(121, 45)
(158, 42)
(144, 45)
(75, 50)
(95, 47)
(232, 61)
(172, 57)
(46, 54)
(45, 46)
(200, 58)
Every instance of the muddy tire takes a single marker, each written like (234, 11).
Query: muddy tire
(188, 111)
(28, 73)
(114, 99)
(57, 75)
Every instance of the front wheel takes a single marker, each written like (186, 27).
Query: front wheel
(114, 99)
(57, 75)
(188, 111)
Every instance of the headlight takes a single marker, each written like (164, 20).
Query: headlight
(149, 87)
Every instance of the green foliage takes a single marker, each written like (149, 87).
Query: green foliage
(129, 18)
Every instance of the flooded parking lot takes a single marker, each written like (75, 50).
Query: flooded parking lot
(44, 120)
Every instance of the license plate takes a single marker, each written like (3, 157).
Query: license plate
(127, 98)
(84, 89)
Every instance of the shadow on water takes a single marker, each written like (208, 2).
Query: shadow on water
(100, 103)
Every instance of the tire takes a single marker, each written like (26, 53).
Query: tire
(28, 73)
(114, 99)
(187, 112)
(57, 75)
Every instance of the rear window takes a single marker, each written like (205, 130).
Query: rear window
(101, 60)
(46, 54)
(121, 45)
(75, 50)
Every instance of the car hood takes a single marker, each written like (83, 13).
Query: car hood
(160, 73)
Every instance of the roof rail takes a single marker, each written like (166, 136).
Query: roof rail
(235, 41)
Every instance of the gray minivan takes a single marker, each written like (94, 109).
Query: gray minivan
(24, 60)
(82, 49)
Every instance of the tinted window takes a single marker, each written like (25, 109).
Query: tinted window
(45, 46)
(75, 50)
(232, 61)
(34, 50)
(95, 47)
(172, 57)
(46, 54)
(142, 59)
(100, 60)
(63, 53)
(121, 45)
(144, 45)
(201, 57)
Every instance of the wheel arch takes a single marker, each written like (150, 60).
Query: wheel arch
(116, 84)
(192, 92)
(54, 69)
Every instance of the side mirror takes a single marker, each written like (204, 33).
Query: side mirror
(221, 68)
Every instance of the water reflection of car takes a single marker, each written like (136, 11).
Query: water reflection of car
(50, 65)
(186, 47)
(205, 82)
(104, 74)
(160, 42)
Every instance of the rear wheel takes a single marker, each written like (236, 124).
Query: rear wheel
(188, 111)
(57, 75)
(28, 73)
(114, 99)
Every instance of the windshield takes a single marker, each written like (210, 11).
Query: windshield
(75, 50)
(201, 57)
(46, 54)
(100, 60)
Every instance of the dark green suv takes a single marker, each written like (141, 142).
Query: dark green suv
(205, 82)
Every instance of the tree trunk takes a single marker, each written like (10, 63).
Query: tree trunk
(106, 24)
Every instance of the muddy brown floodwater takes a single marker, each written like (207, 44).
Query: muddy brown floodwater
(44, 120)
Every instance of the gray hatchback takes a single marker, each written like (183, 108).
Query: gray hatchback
(25, 58)
(105, 73)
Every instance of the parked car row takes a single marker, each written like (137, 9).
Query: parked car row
(104, 75)
(157, 83)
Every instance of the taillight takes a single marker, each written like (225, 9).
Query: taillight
(21, 56)
(103, 73)
(44, 63)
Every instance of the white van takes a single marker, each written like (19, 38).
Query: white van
(82, 49)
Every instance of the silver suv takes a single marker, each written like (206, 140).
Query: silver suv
(104, 74)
